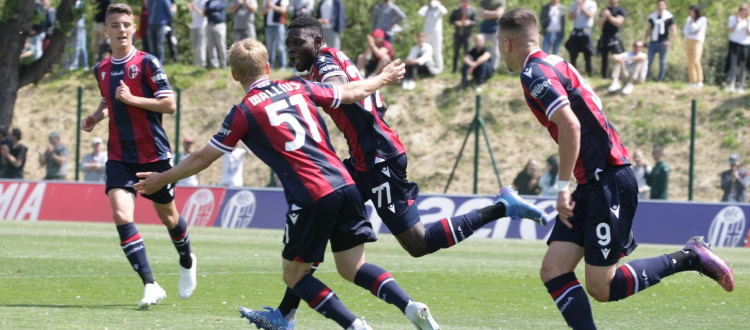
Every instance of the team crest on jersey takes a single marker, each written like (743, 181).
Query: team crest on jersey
(539, 87)
(133, 71)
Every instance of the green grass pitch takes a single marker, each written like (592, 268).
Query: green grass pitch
(69, 275)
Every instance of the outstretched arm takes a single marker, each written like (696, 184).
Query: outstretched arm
(198, 161)
(358, 90)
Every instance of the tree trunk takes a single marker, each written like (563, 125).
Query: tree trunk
(15, 22)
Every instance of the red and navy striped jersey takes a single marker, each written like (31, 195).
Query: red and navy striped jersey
(135, 135)
(362, 123)
(279, 122)
(549, 83)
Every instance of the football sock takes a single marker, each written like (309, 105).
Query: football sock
(135, 250)
(639, 275)
(684, 260)
(571, 300)
(449, 232)
(320, 298)
(290, 302)
(491, 213)
(382, 285)
(181, 241)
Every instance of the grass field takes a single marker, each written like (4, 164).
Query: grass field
(74, 275)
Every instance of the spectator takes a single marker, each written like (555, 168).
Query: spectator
(332, 17)
(187, 145)
(216, 32)
(641, 171)
(419, 62)
(275, 11)
(94, 163)
(54, 158)
(386, 16)
(77, 54)
(464, 17)
(582, 13)
(526, 182)
(734, 181)
(27, 53)
(243, 20)
(13, 156)
(171, 36)
(658, 179)
(490, 11)
(610, 42)
(378, 54)
(552, 19)
(159, 16)
(98, 38)
(50, 14)
(142, 28)
(739, 48)
(198, 31)
(477, 63)
(301, 8)
(231, 168)
(548, 180)
(695, 33)
(660, 31)
(36, 34)
(632, 66)
(433, 14)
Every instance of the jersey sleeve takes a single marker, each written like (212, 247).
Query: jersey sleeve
(232, 130)
(325, 67)
(157, 78)
(544, 89)
(324, 95)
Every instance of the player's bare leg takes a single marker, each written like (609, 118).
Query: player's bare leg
(178, 232)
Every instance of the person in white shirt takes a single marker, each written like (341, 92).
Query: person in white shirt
(632, 66)
(433, 14)
(231, 168)
(198, 31)
(94, 164)
(275, 12)
(332, 17)
(419, 62)
(695, 33)
(552, 23)
(739, 48)
(187, 145)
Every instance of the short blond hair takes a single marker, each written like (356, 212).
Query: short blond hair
(248, 59)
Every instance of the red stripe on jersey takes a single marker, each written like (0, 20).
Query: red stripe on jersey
(557, 293)
(319, 297)
(133, 238)
(378, 282)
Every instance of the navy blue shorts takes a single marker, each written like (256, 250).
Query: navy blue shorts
(603, 217)
(391, 193)
(339, 217)
(122, 175)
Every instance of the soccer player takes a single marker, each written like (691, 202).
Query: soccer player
(378, 163)
(135, 93)
(594, 222)
(279, 122)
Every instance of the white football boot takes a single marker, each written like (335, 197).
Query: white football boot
(152, 295)
(420, 316)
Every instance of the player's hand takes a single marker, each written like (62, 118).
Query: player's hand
(150, 183)
(122, 93)
(393, 72)
(565, 207)
(88, 123)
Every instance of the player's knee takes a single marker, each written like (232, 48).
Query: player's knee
(291, 277)
(547, 273)
(597, 291)
(347, 271)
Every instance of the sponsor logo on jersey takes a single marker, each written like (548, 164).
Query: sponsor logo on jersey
(161, 76)
(539, 87)
(224, 130)
(104, 74)
(615, 210)
(727, 228)
(117, 73)
(329, 67)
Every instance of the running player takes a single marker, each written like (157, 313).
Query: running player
(594, 223)
(279, 122)
(378, 163)
(135, 93)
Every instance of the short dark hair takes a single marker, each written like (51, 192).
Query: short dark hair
(307, 22)
(119, 8)
(16, 132)
(518, 20)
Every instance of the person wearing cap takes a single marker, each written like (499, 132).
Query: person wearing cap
(54, 158)
(13, 156)
(378, 54)
(187, 147)
(386, 16)
(734, 181)
(464, 17)
(94, 163)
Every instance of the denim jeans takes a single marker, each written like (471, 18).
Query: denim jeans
(481, 73)
(275, 35)
(653, 48)
(553, 39)
(156, 33)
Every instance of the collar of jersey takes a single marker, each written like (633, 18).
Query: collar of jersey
(256, 84)
(529, 56)
(124, 59)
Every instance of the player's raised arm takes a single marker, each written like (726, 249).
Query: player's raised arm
(357, 90)
(198, 161)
